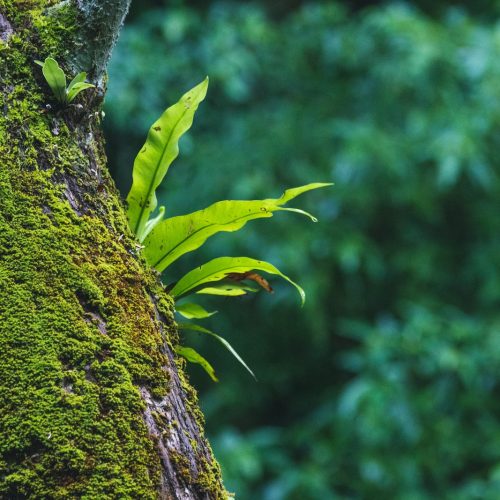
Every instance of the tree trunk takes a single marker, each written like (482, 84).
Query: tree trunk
(93, 402)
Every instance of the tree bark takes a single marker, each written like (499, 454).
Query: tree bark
(93, 402)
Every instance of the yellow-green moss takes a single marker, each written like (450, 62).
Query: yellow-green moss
(75, 336)
(78, 326)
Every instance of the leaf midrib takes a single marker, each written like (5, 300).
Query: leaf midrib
(201, 229)
(150, 188)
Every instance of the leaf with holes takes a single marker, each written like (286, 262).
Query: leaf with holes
(157, 154)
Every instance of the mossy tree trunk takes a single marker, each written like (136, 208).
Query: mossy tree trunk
(93, 402)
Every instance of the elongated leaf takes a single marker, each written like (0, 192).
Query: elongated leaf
(224, 342)
(78, 79)
(55, 78)
(193, 311)
(217, 269)
(176, 236)
(228, 288)
(193, 357)
(151, 223)
(77, 88)
(159, 151)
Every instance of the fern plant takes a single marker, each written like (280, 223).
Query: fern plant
(166, 240)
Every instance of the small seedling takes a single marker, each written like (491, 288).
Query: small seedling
(56, 79)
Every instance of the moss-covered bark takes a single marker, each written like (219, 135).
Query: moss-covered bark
(93, 404)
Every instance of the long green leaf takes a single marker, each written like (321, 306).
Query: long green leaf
(174, 237)
(224, 342)
(55, 78)
(217, 269)
(193, 357)
(227, 288)
(159, 151)
(193, 311)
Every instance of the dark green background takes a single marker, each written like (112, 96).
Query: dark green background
(386, 384)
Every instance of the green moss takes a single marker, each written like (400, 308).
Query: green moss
(182, 465)
(79, 334)
(77, 306)
(55, 31)
(207, 479)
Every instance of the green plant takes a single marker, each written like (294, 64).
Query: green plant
(164, 241)
(56, 80)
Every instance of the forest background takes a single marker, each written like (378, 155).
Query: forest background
(387, 383)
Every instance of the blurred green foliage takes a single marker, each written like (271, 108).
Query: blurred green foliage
(385, 385)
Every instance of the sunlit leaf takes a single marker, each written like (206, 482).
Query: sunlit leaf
(193, 311)
(176, 236)
(193, 357)
(224, 342)
(218, 269)
(155, 157)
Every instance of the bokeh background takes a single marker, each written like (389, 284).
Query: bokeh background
(386, 385)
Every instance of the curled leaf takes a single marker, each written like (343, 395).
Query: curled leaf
(224, 342)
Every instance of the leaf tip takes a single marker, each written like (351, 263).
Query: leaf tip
(302, 294)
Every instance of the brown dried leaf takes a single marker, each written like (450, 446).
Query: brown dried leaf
(250, 275)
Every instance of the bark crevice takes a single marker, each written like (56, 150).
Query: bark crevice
(5, 28)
